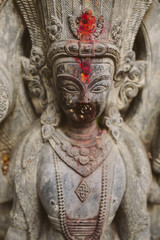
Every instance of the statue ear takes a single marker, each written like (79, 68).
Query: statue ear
(33, 78)
(113, 120)
(50, 119)
(130, 79)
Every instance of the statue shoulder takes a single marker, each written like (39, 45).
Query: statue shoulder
(26, 155)
(26, 159)
(134, 153)
(29, 146)
(138, 179)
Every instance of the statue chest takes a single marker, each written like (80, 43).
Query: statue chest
(72, 200)
(81, 195)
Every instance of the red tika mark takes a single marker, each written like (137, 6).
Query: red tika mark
(84, 78)
(85, 65)
(87, 24)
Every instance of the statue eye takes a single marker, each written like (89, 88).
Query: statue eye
(98, 89)
(71, 89)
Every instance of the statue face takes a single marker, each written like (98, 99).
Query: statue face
(83, 86)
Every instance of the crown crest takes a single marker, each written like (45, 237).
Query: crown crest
(86, 27)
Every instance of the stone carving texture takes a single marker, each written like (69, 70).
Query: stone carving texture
(3, 102)
(83, 169)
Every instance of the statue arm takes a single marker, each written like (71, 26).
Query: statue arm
(145, 234)
(18, 227)
(132, 216)
(16, 234)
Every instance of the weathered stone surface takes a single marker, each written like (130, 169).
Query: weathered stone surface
(79, 120)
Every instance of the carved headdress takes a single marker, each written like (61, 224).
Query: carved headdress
(80, 28)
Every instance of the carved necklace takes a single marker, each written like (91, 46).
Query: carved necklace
(82, 156)
(104, 208)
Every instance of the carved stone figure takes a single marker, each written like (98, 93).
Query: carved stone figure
(81, 169)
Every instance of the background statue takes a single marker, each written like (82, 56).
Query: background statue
(81, 74)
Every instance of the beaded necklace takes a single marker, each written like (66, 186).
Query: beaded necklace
(105, 202)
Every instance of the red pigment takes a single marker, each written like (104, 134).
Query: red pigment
(86, 28)
(85, 65)
(86, 25)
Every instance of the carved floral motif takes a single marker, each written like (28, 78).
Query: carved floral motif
(117, 30)
(54, 29)
(130, 77)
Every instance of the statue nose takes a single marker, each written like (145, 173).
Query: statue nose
(86, 97)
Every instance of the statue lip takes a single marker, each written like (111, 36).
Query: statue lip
(86, 111)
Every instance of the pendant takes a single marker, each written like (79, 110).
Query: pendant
(83, 190)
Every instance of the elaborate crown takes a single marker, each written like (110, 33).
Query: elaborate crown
(86, 28)
(52, 23)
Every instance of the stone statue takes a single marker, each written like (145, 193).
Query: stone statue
(80, 170)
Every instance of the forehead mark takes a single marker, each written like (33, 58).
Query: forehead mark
(85, 65)
(87, 69)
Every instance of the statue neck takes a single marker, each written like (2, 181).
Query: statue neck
(84, 132)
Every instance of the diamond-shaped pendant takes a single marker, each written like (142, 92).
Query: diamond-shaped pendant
(82, 190)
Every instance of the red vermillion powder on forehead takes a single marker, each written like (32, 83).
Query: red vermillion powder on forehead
(85, 65)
